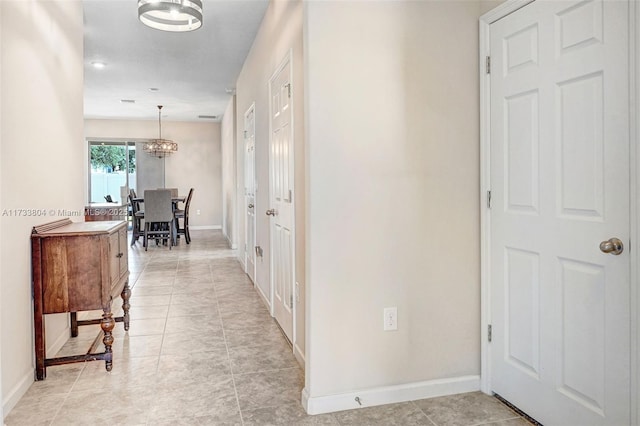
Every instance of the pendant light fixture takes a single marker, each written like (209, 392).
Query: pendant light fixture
(171, 15)
(160, 147)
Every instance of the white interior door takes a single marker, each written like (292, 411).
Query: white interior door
(250, 192)
(559, 177)
(281, 192)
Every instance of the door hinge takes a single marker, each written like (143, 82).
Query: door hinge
(288, 89)
(489, 333)
(245, 134)
(488, 65)
(488, 199)
(291, 301)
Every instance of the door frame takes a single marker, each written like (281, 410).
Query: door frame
(252, 108)
(485, 21)
(287, 60)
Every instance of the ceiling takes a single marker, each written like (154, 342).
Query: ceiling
(194, 72)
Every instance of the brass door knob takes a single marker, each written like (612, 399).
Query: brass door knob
(612, 246)
(250, 206)
(272, 212)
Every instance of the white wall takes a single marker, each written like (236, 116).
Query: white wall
(41, 129)
(279, 33)
(1, 208)
(197, 163)
(229, 159)
(392, 197)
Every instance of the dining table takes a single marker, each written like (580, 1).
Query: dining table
(175, 200)
(174, 203)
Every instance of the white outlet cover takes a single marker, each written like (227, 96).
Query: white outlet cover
(390, 319)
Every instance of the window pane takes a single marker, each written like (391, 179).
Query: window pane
(109, 168)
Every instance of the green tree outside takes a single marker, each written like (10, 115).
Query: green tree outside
(112, 158)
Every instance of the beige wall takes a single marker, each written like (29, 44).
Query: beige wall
(229, 159)
(279, 33)
(392, 193)
(197, 163)
(487, 5)
(41, 161)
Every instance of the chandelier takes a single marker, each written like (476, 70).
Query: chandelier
(160, 147)
(171, 15)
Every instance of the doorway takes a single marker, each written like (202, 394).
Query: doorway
(250, 192)
(281, 196)
(556, 171)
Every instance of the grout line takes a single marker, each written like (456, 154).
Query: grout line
(226, 345)
(68, 394)
(516, 410)
(413, 402)
(492, 422)
(149, 408)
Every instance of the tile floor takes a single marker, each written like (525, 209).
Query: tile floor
(203, 350)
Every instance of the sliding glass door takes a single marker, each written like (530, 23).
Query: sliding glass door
(112, 170)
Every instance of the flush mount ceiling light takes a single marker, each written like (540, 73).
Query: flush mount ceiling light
(171, 15)
(160, 147)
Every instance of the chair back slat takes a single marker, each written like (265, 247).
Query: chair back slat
(134, 205)
(188, 203)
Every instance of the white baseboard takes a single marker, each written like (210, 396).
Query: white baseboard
(264, 298)
(299, 354)
(57, 344)
(201, 227)
(389, 394)
(232, 245)
(18, 391)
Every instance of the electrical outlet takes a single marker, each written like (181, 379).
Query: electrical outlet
(198, 212)
(390, 319)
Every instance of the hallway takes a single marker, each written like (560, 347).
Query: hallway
(203, 350)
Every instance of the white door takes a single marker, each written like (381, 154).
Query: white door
(281, 210)
(250, 192)
(559, 186)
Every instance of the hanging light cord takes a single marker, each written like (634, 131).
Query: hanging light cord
(159, 122)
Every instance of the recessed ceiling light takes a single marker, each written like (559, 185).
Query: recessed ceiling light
(98, 65)
(153, 89)
(128, 101)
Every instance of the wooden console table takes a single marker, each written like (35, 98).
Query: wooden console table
(79, 266)
(105, 211)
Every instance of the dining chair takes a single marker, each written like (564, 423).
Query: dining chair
(174, 192)
(136, 217)
(184, 215)
(158, 217)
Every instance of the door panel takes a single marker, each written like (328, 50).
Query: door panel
(250, 192)
(281, 196)
(560, 186)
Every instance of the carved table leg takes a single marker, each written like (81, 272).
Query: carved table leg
(107, 325)
(41, 370)
(126, 295)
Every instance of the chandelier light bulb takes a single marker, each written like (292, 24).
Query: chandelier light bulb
(160, 147)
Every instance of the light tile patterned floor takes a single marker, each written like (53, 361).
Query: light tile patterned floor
(203, 350)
